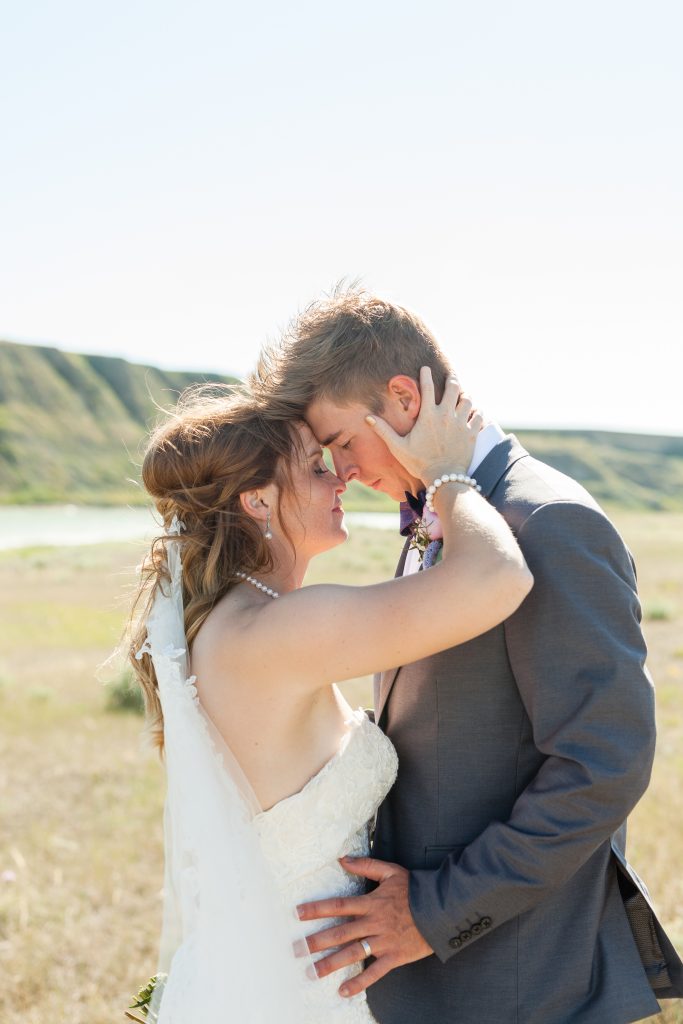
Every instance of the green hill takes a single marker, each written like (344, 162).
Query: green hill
(71, 427)
(636, 471)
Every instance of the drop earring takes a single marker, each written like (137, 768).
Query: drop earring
(268, 534)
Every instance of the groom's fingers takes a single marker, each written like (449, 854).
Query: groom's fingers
(336, 906)
(385, 922)
(351, 954)
(340, 935)
(368, 867)
(377, 969)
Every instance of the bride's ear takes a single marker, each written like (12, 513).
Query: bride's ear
(253, 504)
(260, 502)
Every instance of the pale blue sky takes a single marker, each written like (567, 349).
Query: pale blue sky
(178, 179)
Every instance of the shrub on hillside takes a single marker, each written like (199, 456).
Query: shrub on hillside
(124, 694)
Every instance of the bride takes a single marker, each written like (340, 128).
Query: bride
(271, 776)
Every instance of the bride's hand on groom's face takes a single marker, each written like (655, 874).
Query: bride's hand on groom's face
(443, 436)
(382, 918)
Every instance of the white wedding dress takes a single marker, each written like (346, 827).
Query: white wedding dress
(234, 873)
(303, 836)
(301, 839)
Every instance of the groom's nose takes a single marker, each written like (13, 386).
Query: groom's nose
(344, 467)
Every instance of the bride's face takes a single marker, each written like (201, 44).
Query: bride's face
(313, 514)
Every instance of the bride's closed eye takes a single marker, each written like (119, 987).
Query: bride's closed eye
(321, 469)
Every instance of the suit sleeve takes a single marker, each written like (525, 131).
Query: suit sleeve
(578, 657)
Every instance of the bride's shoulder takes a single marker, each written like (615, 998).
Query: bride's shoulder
(220, 617)
(217, 645)
(227, 646)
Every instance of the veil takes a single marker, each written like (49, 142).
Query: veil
(226, 937)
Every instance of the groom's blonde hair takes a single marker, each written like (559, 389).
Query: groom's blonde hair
(345, 347)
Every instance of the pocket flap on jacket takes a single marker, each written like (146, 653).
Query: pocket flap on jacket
(436, 855)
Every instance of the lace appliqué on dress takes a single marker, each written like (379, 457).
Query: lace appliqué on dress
(304, 836)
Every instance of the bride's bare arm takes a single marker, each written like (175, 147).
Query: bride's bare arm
(325, 633)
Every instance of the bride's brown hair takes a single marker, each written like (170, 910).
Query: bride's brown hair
(215, 445)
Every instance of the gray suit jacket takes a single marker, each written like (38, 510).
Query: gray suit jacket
(521, 753)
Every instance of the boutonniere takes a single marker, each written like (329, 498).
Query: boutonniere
(143, 1000)
(426, 537)
(419, 537)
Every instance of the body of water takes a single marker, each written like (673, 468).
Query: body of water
(23, 526)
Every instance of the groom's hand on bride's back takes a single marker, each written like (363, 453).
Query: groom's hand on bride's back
(381, 918)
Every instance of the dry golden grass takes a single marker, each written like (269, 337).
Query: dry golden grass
(80, 831)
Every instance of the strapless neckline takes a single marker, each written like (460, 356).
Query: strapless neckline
(356, 721)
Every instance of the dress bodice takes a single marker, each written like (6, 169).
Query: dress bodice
(301, 839)
(306, 831)
(304, 835)
(234, 874)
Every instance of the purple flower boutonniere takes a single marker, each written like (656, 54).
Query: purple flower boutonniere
(419, 538)
(427, 538)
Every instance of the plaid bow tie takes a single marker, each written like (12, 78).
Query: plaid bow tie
(411, 510)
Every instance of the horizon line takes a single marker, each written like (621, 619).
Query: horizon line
(565, 428)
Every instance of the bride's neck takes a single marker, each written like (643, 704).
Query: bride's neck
(287, 573)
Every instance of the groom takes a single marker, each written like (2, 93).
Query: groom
(502, 891)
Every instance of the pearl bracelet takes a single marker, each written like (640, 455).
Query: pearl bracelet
(453, 478)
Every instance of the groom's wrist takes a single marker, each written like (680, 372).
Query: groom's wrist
(426, 921)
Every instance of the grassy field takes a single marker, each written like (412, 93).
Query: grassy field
(80, 826)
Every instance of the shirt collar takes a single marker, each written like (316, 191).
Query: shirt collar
(486, 441)
(411, 508)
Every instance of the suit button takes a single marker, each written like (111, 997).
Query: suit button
(485, 922)
(455, 943)
(477, 929)
(466, 936)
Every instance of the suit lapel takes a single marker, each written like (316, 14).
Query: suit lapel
(384, 681)
(402, 560)
(488, 474)
(382, 690)
(498, 462)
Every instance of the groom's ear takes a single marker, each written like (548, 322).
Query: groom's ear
(403, 398)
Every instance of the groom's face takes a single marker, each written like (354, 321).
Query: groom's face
(358, 453)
